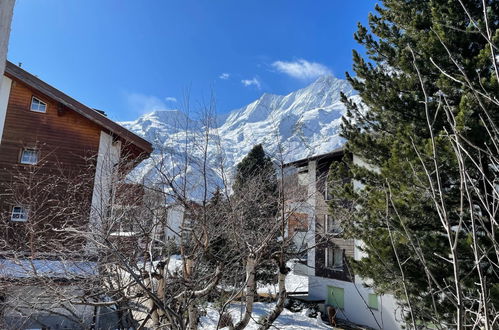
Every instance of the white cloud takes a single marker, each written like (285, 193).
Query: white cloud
(142, 103)
(252, 82)
(301, 69)
(171, 99)
(224, 76)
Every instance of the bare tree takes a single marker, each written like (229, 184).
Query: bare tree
(154, 253)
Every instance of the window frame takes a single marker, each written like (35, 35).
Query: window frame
(334, 251)
(36, 152)
(23, 211)
(33, 98)
(327, 195)
(330, 225)
(302, 176)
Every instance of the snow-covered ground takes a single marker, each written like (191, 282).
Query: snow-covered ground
(294, 283)
(287, 320)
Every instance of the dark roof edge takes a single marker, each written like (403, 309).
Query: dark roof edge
(300, 162)
(92, 115)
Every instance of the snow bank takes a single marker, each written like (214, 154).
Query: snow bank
(294, 283)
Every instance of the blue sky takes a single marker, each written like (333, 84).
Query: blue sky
(129, 57)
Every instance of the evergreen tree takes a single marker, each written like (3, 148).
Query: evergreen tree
(256, 165)
(256, 189)
(428, 84)
(256, 174)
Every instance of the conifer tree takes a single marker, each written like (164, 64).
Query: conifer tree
(256, 164)
(256, 186)
(258, 170)
(427, 209)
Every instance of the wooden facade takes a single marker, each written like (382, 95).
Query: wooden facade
(66, 139)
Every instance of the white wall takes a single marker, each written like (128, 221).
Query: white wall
(108, 156)
(388, 316)
(5, 84)
(174, 218)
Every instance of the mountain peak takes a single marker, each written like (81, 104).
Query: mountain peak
(167, 116)
(325, 79)
(163, 112)
(328, 87)
(304, 122)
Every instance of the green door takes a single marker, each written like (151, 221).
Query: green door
(336, 297)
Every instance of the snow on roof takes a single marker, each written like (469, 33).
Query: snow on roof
(124, 233)
(27, 268)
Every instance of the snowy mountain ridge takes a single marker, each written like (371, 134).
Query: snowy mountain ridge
(300, 124)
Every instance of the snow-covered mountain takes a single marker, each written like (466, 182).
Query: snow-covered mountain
(294, 126)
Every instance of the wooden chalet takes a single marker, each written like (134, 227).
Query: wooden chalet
(58, 161)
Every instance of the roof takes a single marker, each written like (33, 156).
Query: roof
(16, 72)
(332, 154)
(28, 268)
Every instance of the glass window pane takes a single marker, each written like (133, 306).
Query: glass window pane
(327, 192)
(331, 226)
(334, 258)
(37, 105)
(338, 257)
(19, 213)
(34, 104)
(330, 255)
(29, 156)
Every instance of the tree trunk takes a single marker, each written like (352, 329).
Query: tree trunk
(193, 317)
(250, 293)
(281, 299)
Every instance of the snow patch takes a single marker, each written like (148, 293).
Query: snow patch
(287, 320)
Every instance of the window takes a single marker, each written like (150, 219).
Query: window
(372, 301)
(327, 191)
(303, 176)
(19, 213)
(334, 258)
(37, 105)
(336, 297)
(331, 226)
(29, 156)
